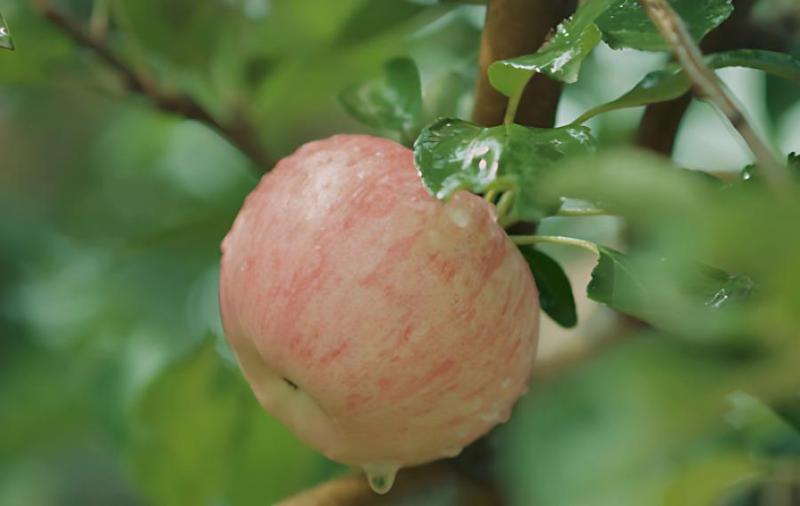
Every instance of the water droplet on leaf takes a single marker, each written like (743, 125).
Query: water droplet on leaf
(458, 216)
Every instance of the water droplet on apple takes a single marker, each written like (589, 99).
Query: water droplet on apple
(458, 215)
(381, 476)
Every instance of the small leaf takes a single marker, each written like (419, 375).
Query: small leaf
(719, 289)
(559, 58)
(646, 289)
(452, 155)
(5, 35)
(671, 82)
(616, 283)
(555, 291)
(627, 25)
(392, 103)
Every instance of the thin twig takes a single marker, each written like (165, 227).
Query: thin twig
(707, 85)
(239, 132)
(661, 121)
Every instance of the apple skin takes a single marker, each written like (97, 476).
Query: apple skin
(384, 327)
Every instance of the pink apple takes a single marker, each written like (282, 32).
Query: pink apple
(386, 328)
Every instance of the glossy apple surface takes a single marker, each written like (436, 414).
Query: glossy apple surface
(384, 327)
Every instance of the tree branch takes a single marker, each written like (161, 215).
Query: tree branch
(660, 123)
(239, 132)
(515, 28)
(707, 85)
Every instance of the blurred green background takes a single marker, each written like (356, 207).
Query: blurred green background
(116, 386)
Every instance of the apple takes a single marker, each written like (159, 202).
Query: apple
(384, 327)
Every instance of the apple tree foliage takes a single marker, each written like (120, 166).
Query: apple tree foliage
(112, 390)
(709, 265)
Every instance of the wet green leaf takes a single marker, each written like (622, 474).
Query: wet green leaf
(391, 103)
(627, 25)
(616, 283)
(671, 82)
(665, 293)
(452, 155)
(560, 58)
(5, 35)
(555, 291)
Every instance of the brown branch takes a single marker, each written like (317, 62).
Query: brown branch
(707, 85)
(239, 132)
(658, 129)
(515, 28)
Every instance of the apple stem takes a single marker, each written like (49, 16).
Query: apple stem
(503, 206)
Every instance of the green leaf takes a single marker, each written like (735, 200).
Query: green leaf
(555, 291)
(5, 35)
(375, 17)
(627, 25)
(450, 96)
(671, 82)
(392, 103)
(616, 283)
(560, 58)
(765, 431)
(794, 162)
(664, 292)
(717, 288)
(710, 477)
(200, 437)
(647, 405)
(181, 32)
(452, 155)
